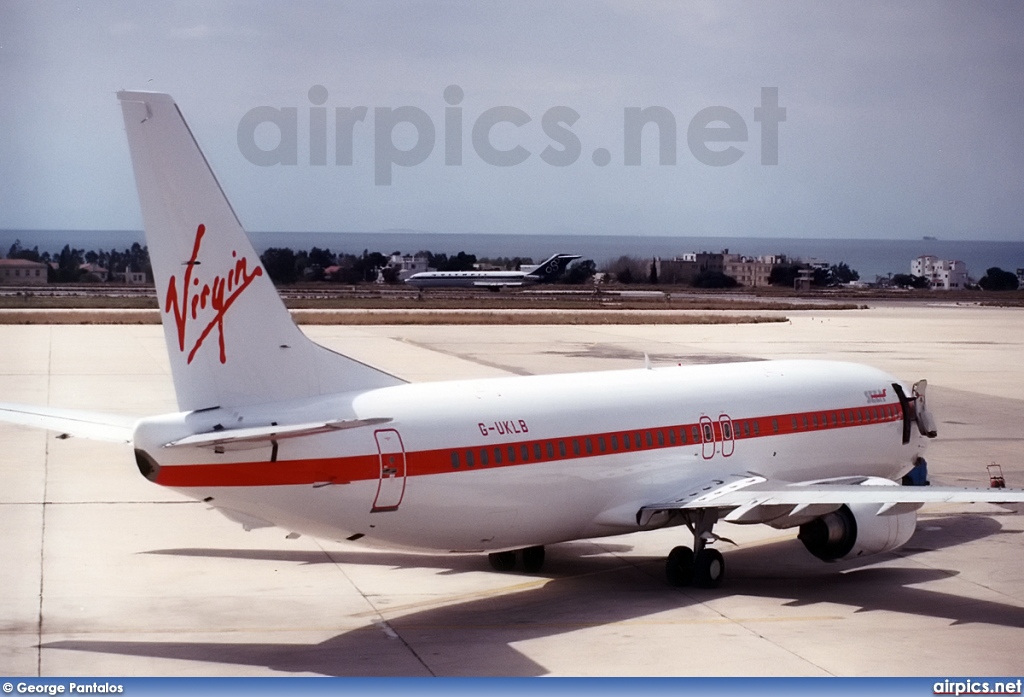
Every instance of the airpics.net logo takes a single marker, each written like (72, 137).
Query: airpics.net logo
(269, 135)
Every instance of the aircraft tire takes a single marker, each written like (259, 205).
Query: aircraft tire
(708, 569)
(532, 559)
(502, 561)
(679, 567)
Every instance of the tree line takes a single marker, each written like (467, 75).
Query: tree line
(66, 266)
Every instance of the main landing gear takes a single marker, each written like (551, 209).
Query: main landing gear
(701, 566)
(530, 558)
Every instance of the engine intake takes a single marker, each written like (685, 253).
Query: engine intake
(856, 531)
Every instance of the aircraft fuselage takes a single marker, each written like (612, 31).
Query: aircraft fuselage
(511, 462)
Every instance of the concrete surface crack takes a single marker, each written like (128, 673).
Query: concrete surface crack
(379, 621)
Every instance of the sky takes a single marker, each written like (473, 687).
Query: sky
(893, 120)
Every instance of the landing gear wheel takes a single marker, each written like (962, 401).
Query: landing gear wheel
(679, 566)
(532, 558)
(502, 561)
(708, 568)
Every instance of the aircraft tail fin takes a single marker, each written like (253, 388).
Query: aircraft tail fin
(552, 267)
(230, 338)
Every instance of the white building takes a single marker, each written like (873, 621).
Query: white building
(941, 274)
(407, 264)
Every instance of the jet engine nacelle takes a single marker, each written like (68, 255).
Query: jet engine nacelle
(855, 531)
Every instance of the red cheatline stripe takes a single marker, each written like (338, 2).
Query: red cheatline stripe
(340, 470)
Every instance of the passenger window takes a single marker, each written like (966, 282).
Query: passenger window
(806, 425)
(536, 451)
(600, 443)
(497, 456)
(814, 420)
(511, 453)
(483, 457)
(551, 449)
(589, 446)
(671, 436)
(575, 447)
(648, 438)
(455, 460)
(746, 428)
(469, 458)
(726, 430)
(757, 429)
(795, 426)
(626, 445)
(525, 452)
(615, 443)
(696, 434)
(775, 425)
(708, 434)
(661, 438)
(561, 448)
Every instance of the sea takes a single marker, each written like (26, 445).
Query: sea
(871, 258)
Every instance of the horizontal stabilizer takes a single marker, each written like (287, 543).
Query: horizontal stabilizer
(212, 439)
(71, 422)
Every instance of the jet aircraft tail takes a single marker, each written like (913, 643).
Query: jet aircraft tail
(552, 267)
(230, 338)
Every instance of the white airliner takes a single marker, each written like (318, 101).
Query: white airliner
(545, 272)
(274, 430)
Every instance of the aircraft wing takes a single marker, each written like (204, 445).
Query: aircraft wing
(265, 434)
(751, 498)
(71, 422)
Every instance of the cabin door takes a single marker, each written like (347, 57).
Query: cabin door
(391, 485)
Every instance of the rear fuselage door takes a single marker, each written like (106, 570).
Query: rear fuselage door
(391, 485)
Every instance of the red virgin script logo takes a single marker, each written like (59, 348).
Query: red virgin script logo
(196, 296)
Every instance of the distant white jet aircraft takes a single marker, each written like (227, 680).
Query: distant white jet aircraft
(545, 272)
(277, 430)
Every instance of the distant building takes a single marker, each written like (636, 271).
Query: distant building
(804, 279)
(678, 271)
(94, 272)
(817, 264)
(941, 274)
(748, 271)
(21, 272)
(408, 264)
(753, 272)
(129, 277)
